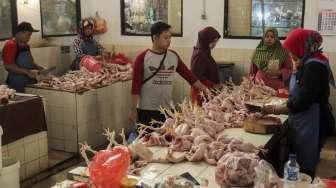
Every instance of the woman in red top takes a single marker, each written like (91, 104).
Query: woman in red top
(203, 64)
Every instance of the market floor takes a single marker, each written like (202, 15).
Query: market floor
(325, 169)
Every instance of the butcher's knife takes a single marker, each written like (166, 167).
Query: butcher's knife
(189, 177)
(43, 73)
(253, 107)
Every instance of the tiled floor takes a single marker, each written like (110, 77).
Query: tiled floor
(326, 167)
(55, 158)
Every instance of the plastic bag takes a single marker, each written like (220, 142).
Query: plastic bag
(236, 169)
(90, 64)
(266, 176)
(108, 167)
(120, 59)
(100, 24)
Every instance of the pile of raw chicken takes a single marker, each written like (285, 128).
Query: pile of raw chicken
(6, 94)
(81, 80)
(193, 133)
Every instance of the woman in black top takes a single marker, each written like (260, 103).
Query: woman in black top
(310, 117)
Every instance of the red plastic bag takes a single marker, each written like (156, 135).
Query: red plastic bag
(108, 167)
(90, 64)
(282, 93)
(120, 59)
(329, 183)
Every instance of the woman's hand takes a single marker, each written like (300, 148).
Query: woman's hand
(268, 109)
(98, 57)
(273, 73)
(275, 109)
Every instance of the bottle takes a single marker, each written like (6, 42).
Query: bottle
(291, 171)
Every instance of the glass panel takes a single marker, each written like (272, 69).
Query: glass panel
(139, 15)
(249, 18)
(7, 16)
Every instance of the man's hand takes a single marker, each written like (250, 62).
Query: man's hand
(39, 67)
(200, 86)
(133, 116)
(32, 74)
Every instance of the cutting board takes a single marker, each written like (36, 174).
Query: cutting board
(265, 125)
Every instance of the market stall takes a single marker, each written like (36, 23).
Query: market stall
(25, 133)
(194, 140)
(83, 116)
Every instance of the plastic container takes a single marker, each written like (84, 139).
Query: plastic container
(291, 172)
(90, 64)
(10, 174)
(225, 71)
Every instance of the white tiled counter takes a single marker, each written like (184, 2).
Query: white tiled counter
(75, 117)
(155, 172)
(31, 151)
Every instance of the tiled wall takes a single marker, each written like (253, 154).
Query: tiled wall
(31, 151)
(73, 118)
(241, 58)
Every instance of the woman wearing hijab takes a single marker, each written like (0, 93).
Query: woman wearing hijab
(270, 61)
(203, 64)
(310, 116)
(85, 44)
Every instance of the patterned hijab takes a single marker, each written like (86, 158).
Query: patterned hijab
(85, 23)
(306, 44)
(264, 53)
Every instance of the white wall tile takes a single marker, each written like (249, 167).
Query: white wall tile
(17, 153)
(31, 151)
(56, 131)
(71, 146)
(69, 100)
(69, 116)
(43, 147)
(42, 135)
(17, 144)
(32, 168)
(43, 163)
(31, 138)
(70, 133)
(56, 144)
(4, 152)
(23, 171)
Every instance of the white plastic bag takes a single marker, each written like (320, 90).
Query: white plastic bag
(266, 176)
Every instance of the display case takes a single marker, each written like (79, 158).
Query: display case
(8, 18)
(59, 17)
(137, 16)
(250, 19)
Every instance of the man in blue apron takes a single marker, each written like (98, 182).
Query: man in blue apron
(310, 116)
(85, 44)
(18, 60)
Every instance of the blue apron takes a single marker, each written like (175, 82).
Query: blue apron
(88, 48)
(23, 60)
(306, 127)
